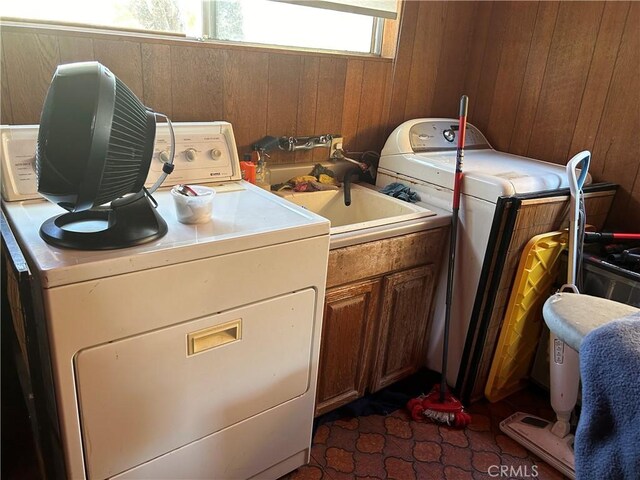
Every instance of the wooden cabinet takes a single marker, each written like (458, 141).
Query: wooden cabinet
(406, 302)
(376, 315)
(349, 325)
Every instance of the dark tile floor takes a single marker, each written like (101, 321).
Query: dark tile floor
(396, 447)
(375, 446)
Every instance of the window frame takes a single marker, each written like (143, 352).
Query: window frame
(209, 33)
(389, 36)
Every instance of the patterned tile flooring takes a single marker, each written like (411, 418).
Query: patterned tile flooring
(376, 446)
(396, 447)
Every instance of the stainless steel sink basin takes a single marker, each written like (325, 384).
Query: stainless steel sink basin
(368, 208)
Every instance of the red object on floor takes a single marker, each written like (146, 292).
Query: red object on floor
(449, 411)
(396, 446)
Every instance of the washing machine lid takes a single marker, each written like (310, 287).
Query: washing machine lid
(488, 174)
(424, 150)
(244, 217)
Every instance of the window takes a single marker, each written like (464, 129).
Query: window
(315, 24)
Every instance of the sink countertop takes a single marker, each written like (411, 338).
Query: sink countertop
(441, 218)
(346, 239)
(340, 239)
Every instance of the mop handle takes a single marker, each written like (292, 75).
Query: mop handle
(460, 151)
(452, 242)
(603, 237)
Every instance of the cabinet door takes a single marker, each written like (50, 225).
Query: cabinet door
(345, 351)
(406, 304)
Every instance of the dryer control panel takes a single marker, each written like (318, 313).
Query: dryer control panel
(204, 153)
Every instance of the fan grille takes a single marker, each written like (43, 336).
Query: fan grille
(125, 153)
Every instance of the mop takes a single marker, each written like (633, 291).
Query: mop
(552, 441)
(439, 404)
(605, 237)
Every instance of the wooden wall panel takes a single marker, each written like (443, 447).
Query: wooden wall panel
(565, 77)
(156, 77)
(616, 153)
(245, 88)
(545, 79)
(370, 124)
(30, 60)
(197, 87)
(600, 71)
(402, 64)
(73, 49)
(425, 57)
(6, 114)
(282, 99)
(124, 59)
(533, 77)
(511, 70)
(480, 104)
(477, 46)
(386, 128)
(351, 103)
(454, 56)
(332, 74)
(308, 104)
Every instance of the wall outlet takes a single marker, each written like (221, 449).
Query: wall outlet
(336, 144)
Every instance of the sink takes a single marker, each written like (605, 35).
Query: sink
(369, 208)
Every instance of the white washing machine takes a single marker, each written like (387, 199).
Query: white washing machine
(192, 356)
(421, 153)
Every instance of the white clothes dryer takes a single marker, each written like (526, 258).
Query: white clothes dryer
(192, 356)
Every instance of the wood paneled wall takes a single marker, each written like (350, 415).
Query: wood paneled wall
(545, 79)
(260, 91)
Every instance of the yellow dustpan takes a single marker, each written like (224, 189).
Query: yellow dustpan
(522, 323)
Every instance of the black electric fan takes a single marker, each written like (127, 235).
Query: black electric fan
(95, 145)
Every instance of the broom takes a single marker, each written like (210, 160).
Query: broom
(439, 405)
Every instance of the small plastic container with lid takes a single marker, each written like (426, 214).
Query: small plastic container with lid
(193, 208)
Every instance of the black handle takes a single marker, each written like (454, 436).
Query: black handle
(266, 144)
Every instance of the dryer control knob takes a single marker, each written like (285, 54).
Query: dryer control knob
(215, 153)
(163, 156)
(449, 135)
(190, 154)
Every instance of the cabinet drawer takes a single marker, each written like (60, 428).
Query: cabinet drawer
(149, 394)
(378, 258)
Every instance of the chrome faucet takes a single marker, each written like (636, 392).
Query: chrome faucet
(291, 144)
(358, 168)
(338, 154)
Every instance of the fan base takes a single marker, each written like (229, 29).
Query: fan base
(131, 221)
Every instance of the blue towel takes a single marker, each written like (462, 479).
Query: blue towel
(607, 443)
(401, 191)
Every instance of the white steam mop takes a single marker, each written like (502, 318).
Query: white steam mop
(552, 441)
